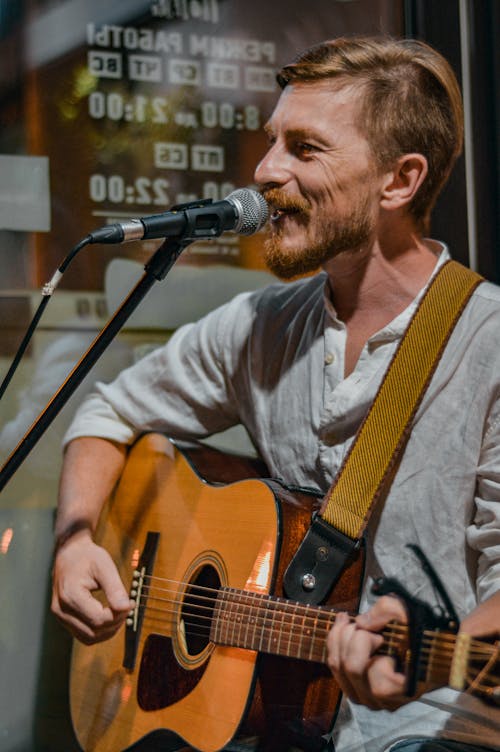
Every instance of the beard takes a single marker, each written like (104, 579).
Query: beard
(336, 235)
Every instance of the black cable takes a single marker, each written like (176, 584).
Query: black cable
(24, 344)
(71, 255)
(47, 292)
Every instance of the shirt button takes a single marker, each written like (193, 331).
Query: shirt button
(329, 358)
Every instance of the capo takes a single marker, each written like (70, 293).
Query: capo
(421, 616)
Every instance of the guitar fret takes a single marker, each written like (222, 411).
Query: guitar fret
(330, 620)
(279, 609)
(224, 621)
(300, 632)
(262, 624)
(228, 621)
(233, 618)
(246, 598)
(257, 627)
(283, 610)
(303, 647)
(298, 648)
(313, 633)
(215, 627)
(392, 643)
(295, 606)
(258, 632)
(313, 636)
(214, 624)
(250, 620)
(288, 624)
(274, 636)
(430, 661)
(282, 625)
(270, 614)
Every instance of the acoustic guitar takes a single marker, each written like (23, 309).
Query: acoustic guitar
(212, 650)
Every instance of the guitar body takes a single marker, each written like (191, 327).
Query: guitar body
(191, 537)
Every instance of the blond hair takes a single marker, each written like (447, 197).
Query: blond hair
(411, 102)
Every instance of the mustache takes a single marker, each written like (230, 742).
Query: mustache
(281, 200)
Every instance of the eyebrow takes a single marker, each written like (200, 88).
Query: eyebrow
(297, 133)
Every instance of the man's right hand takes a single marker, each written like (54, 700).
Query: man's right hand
(91, 469)
(80, 569)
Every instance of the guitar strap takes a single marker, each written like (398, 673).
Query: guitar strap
(369, 467)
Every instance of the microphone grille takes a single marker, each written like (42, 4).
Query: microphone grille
(252, 210)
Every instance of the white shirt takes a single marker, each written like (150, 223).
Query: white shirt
(273, 360)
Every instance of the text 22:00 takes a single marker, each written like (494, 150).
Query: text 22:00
(142, 190)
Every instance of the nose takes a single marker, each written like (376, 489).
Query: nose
(272, 169)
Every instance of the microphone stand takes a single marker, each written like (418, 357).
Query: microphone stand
(156, 269)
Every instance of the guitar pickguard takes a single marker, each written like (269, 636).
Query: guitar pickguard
(171, 667)
(162, 681)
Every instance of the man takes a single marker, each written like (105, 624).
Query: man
(362, 139)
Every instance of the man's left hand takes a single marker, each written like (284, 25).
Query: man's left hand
(365, 677)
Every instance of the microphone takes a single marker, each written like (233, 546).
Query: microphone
(244, 211)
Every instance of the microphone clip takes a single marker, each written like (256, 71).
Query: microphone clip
(192, 204)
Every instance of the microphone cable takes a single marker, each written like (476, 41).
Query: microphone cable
(47, 291)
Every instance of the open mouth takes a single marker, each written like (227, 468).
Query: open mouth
(280, 211)
(283, 205)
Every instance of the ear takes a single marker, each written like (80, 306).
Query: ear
(403, 181)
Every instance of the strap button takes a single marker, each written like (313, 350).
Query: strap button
(309, 582)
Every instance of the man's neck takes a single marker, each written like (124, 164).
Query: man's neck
(379, 282)
(372, 286)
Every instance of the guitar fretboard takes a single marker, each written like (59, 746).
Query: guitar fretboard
(271, 625)
(288, 628)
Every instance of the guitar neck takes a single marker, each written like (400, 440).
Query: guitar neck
(271, 625)
(291, 629)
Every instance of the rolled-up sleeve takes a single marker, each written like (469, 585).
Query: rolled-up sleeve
(183, 388)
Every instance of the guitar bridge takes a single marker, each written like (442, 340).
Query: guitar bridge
(138, 593)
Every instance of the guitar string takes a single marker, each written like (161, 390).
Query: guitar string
(196, 628)
(433, 669)
(277, 603)
(476, 682)
(292, 608)
(389, 635)
(290, 605)
(267, 631)
(245, 599)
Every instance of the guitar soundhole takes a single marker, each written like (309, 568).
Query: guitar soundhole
(198, 608)
(167, 672)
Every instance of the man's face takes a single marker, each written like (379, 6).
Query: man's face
(319, 177)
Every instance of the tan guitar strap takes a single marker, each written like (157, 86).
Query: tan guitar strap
(337, 530)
